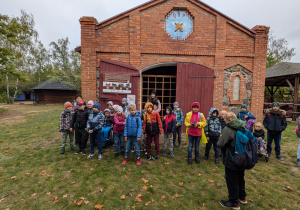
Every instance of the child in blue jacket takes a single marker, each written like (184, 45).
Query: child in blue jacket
(133, 133)
(244, 114)
(179, 121)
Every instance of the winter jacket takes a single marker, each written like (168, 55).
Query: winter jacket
(223, 123)
(241, 116)
(108, 121)
(80, 119)
(95, 121)
(133, 126)
(155, 125)
(65, 120)
(213, 128)
(260, 133)
(227, 142)
(119, 124)
(189, 120)
(178, 116)
(275, 122)
(169, 124)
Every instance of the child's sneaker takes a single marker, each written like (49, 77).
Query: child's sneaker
(138, 161)
(179, 146)
(228, 204)
(116, 154)
(125, 160)
(100, 157)
(164, 152)
(90, 156)
(83, 152)
(155, 157)
(205, 158)
(72, 148)
(149, 157)
(197, 160)
(262, 151)
(243, 201)
(172, 154)
(62, 151)
(190, 161)
(76, 153)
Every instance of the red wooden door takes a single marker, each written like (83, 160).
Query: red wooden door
(119, 69)
(195, 83)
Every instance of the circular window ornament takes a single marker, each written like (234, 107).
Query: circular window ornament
(179, 24)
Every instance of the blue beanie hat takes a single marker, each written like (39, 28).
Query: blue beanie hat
(176, 103)
(96, 105)
(124, 99)
(244, 106)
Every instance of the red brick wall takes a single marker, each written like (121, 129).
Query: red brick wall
(138, 37)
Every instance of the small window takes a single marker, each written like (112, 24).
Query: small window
(236, 88)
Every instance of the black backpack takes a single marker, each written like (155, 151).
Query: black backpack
(247, 158)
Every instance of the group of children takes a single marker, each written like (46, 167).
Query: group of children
(125, 124)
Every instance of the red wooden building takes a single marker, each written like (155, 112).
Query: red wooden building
(185, 50)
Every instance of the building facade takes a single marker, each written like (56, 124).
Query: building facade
(185, 49)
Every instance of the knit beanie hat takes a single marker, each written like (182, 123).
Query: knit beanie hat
(106, 110)
(96, 105)
(153, 92)
(110, 102)
(275, 104)
(67, 104)
(78, 95)
(175, 103)
(91, 102)
(244, 106)
(124, 99)
(115, 107)
(169, 108)
(119, 109)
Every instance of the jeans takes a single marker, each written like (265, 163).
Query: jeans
(193, 140)
(235, 181)
(168, 137)
(277, 140)
(177, 131)
(82, 137)
(132, 140)
(96, 136)
(104, 134)
(149, 142)
(259, 142)
(212, 141)
(119, 139)
(64, 138)
(298, 152)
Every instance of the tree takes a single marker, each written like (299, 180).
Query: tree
(278, 51)
(66, 63)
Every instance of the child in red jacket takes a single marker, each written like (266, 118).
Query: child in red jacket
(169, 125)
(152, 127)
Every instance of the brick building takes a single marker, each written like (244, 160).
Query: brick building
(185, 49)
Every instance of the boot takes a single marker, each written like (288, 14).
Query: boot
(205, 157)
(190, 161)
(217, 161)
(197, 160)
(62, 151)
(298, 162)
(72, 148)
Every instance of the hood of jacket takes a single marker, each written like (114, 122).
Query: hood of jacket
(211, 110)
(237, 124)
(147, 105)
(169, 108)
(280, 112)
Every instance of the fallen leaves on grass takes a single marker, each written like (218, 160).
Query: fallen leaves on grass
(82, 198)
(34, 195)
(167, 163)
(175, 196)
(62, 179)
(129, 194)
(6, 152)
(288, 189)
(91, 169)
(199, 174)
(86, 202)
(43, 173)
(74, 182)
(98, 207)
(181, 184)
(48, 193)
(101, 190)
(139, 198)
(14, 177)
(66, 195)
(146, 204)
(55, 199)
(145, 180)
(145, 188)
(123, 197)
(163, 197)
(75, 201)
(210, 180)
(79, 203)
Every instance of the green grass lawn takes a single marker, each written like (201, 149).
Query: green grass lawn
(33, 175)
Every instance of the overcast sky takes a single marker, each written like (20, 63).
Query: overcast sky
(57, 19)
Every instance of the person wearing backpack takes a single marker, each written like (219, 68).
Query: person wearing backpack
(275, 123)
(234, 175)
(244, 114)
(297, 131)
(195, 123)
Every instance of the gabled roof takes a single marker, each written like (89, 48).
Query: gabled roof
(283, 69)
(199, 1)
(53, 85)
